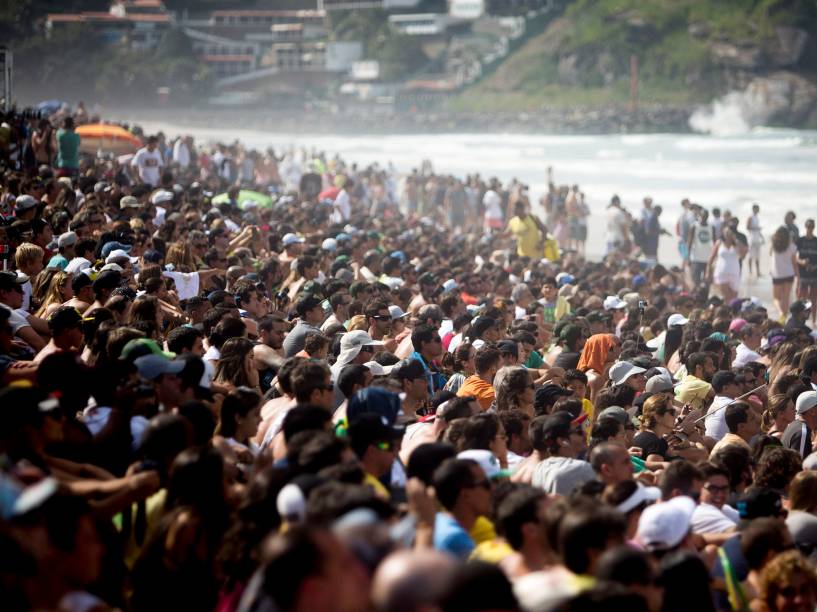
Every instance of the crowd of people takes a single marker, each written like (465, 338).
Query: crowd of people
(241, 380)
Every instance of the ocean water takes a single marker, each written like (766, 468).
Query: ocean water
(775, 168)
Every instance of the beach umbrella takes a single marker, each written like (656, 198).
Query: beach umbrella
(50, 106)
(244, 196)
(108, 138)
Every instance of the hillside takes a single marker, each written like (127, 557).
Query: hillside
(688, 51)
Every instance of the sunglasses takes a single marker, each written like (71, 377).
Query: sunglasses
(381, 317)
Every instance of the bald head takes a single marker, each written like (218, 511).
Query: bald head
(408, 581)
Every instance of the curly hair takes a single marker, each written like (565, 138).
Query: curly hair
(776, 467)
(780, 572)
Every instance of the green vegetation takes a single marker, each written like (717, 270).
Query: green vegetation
(583, 58)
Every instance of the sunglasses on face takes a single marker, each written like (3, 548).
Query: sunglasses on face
(381, 317)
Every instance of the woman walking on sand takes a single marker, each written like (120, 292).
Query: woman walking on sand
(724, 266)
(783, 269)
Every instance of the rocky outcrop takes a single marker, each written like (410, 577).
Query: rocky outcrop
(783, 97)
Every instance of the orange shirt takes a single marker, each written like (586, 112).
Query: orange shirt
(480, 389)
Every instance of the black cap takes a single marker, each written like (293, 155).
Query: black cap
(800, 306)
(759, 502)
(408, 369)
(305, 304)
(9, 280)
(547, 395)
(427, 278)
(480, 326)
(508, 346)
(370, 428)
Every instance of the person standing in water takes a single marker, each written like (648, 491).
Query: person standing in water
(756, 239)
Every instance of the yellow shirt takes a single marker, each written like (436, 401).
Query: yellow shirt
(527, 236)
(378, 487)
(587, 424)
(482, 530)
(552, 250)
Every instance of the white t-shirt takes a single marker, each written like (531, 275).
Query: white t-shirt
(149, 164)
(716, 418)
(181, 154)
(342, 208)
(708, 519)
(702, 241)
(17, 320)
(782, 266)
(493, 205)
(187, 283)
(616, 224)
(26, 293)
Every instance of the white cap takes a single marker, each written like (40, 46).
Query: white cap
(78, 264)
(377, 369)
(330, 244)
(620, 371)
(290, 239)
(25, 202)
(805, 402)
(640, 495)
(486, 460)
(112, 266)
(676, 319)
(129, 202)
(117, 253)
(665, 525)
(291, 503)
(350, 344)
(450, 285)
(613, 302)
(161, 196)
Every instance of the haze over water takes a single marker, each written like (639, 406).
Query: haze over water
(775, 168)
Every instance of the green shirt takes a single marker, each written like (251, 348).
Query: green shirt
(67, 149)
(534, 361)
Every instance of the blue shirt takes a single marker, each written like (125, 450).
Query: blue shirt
(436, 381)
(450, 537)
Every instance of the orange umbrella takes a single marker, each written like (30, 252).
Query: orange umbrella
(108, 138)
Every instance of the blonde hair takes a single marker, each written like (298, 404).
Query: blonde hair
(357, 323)
(777, 404)
(181, 256)
(27, 253)
(53, 296)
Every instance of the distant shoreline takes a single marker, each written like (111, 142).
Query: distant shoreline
(579, 121)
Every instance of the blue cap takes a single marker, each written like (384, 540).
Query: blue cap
(399, 255)
(152, 256)
(638, 280)
(114, 246)
(152, 366)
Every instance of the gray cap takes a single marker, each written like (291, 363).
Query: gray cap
(67, 239)
(152, 366)
(659, 384)
(25, 202)
(129, 202)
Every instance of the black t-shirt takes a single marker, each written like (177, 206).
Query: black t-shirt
(650, 444)
(807, 249)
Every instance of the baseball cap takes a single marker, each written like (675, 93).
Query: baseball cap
(138, 347)
(676, 319)
(613, 302)
(800, 306)
(759, 502)
(408, 369)
(619, 414)
(76, 265)
(640, 495)
(805, 402)
(119, 253)
(129, 202)
(112, 246)
(24, 202)
(152, 256)
(487, 461)
(350, 345)
(10, 280)
(620, 371)
(330, 244)
(547, 395)
(380, 402)
(659, 384)
(480, 325)
(378, 369)
(665, 525)
(563, 278)
(161, 196)
(737, 324)
(67, 239)
(290, 239)
(693, 392)
(427, 278)
(397, 313)
(508, 346)
(152, 366)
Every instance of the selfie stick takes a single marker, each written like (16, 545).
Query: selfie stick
(737, 399)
